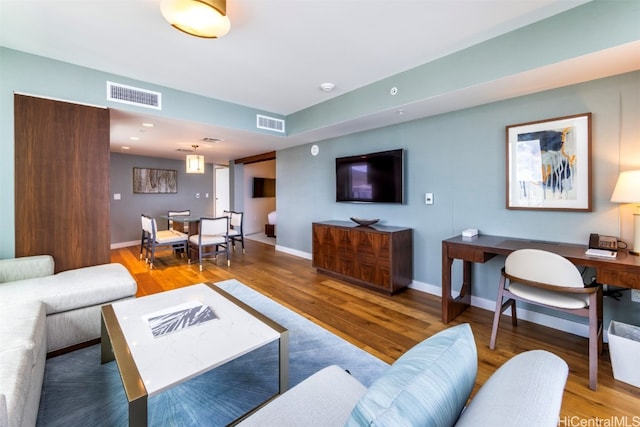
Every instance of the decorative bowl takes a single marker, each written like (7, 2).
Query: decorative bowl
(365, 222)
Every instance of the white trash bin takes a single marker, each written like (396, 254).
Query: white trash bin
(624, 348)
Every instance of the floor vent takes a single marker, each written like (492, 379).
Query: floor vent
(134, 96)
(269, 123)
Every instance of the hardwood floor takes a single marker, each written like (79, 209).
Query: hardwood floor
(388, 326)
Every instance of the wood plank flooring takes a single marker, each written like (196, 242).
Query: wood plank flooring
(387, 326)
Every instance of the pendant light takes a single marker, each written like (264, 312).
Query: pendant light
(195, 162)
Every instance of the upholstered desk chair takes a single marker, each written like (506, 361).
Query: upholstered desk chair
(236, 231)
(154, 238)
(212, 239)
(550, 280)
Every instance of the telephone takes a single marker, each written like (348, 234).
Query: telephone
(608, 243)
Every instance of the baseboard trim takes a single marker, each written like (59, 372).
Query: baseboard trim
(125, 244)
(294, 252)
(553, 322)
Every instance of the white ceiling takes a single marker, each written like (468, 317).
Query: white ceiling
(275, 57)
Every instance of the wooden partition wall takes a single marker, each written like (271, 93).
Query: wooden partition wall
(62, 182)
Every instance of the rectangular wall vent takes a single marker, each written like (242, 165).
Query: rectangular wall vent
(269, 123)
(123, 94)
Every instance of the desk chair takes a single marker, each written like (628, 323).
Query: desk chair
(212, 239)
(152, 238)
(236, 232)
(550, 280)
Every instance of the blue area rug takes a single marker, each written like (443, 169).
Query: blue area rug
(78, 390)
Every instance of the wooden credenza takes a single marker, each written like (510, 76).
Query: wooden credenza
(378, 257)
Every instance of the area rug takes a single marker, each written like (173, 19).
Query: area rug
(78, 390)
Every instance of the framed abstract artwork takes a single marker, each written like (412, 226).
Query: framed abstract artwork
(155, 181)
(549, 164)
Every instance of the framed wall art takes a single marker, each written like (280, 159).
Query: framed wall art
(549, 164)
(155, 181)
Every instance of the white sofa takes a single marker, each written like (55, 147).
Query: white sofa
(428, 386)
(41, 312)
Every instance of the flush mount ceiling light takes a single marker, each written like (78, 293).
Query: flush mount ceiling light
(195, 162)
(200, 18)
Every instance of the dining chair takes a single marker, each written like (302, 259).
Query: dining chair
(186, 212)
(550, 280)
(152, 238)
(236, 231)
(212, 239)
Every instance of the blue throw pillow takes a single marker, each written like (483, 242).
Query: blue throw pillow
(427, 386)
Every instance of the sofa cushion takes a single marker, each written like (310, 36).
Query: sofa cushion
(28, 267)
(525, 391)
(15, 377)
(326, 398)
(73, 289)
(4, 417)
(22, 326)
(427, 386)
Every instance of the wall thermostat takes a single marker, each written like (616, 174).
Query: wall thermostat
(314, 150)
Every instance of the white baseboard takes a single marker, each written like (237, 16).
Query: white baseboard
(294, 252)
(125, 244)
(558, 323)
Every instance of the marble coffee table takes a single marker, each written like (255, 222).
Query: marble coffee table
(164, 339)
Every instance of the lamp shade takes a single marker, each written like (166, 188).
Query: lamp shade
(195, 163)
(200, 18)
(627, 188)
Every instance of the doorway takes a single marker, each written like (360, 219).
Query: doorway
(221, 187)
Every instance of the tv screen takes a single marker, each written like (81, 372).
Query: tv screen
(264, 187)
(374, 177)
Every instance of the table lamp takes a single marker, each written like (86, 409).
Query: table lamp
(628, 191)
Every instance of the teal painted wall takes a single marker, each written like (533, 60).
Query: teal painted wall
(460, 157)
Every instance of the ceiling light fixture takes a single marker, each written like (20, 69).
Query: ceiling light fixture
(200, 18)
(211, 140)
(195, 162)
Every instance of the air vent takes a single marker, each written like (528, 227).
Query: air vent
(134, 96)
(184, 150)
(270, 123)
(211, 140)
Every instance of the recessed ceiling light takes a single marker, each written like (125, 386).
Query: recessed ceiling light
(134, 138)
(124, 147)
(148, 125)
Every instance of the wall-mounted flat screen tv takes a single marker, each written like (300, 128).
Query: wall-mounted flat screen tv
(264, 187)
(373, 178)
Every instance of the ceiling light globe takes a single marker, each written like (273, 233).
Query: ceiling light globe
(198, 18)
